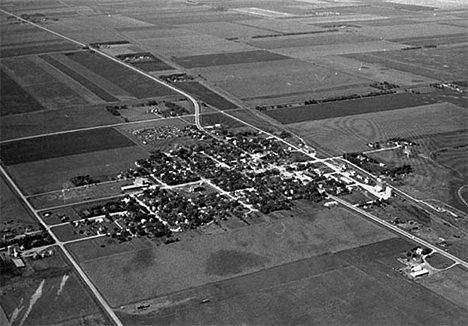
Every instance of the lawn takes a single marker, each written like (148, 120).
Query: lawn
(55, 146)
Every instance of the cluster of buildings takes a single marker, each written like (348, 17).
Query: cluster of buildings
(168, 132)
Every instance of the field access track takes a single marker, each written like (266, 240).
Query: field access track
(231, 58)
(350, 107)
(42, 148)
(128, 80)
(80, 79)
(14, 99)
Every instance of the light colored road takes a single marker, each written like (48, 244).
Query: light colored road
(400, 231)
(69, 256)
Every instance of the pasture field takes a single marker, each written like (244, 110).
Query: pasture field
(206, 95)
(128, 80)
(308, 40)
(104, 95)
(324, 289)
(195, 44)
(200, 260)
(210, 119)
(227, 30)
(54, 174)
(13, 209)
(55, 146)
(38, 123)
(223, 59)
(440, 63)
(352, 133)
(60, 297)
(255, 80)
(349, 107)
(15, 99)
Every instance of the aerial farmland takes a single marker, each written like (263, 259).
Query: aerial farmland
(283, 162)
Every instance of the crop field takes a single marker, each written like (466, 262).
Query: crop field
(134, 83)
(36, 49)
(410, 30)
(196, 44)
(26, 70)
(210, 119)
(200, 260)
(373, 71)
(310, 52)
(440, 63)
(80, 79)
(282, 26)
(229, 59)
(59, 297)
(206, 95)
(15, 99)
(93, 76)
(155, 65)
(433, 40)
(350, 107)
(255, 80)
(181, 18)
(48, 147)
(307, 40)
(352, 133)
(54, 174)
(155, 32)
(227, 30)
(15, 126)
(353, 286)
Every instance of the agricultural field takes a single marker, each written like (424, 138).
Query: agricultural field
(14, 99)
(255, 80)
(352, 133)
(206, 95)
(440, 63)
(51, 292)
(130, 81)
(350, 107)
(258, 246)
(227, 30)
(354, 285)
(228, 59)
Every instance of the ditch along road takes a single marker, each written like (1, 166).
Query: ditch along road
(196, 105)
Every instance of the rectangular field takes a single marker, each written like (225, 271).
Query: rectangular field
(136, 84)
(233, 58)
(258, 79)
(36, 49)
(350, 107)
(352, 133)
(227, 30)
(80, 79)
(14, 99)
(244, 250)
(47, 147)
(206, 95)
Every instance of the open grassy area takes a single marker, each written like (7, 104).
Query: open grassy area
(206, 259)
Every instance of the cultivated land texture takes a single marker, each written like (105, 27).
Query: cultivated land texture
(335, 75)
